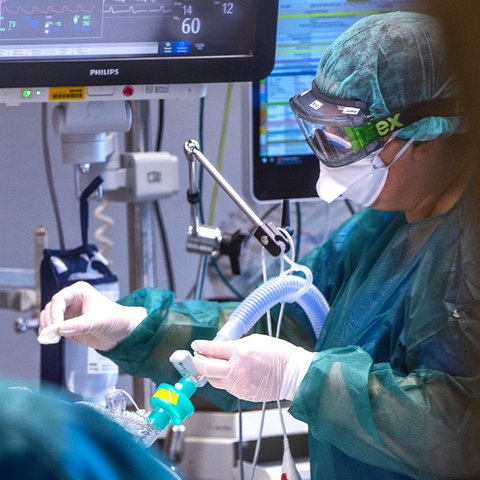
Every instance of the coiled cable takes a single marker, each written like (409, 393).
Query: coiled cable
(105, 244)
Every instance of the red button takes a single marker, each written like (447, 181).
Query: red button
(128, 91)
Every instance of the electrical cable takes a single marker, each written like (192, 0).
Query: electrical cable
(202, 272)
(298, 230)
(270, 210)
(238, 295)
(157, 207)
(240, 440)
(201, 123)
(258, 444)
(161, 123)
(49, 175)
(205, 262)
(166, 248)
(221, 151)
(291, 261)
(197, 287)
(226, 112)
(269, 330)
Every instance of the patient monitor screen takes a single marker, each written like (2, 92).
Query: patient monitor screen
(112, 42)
(107, 28)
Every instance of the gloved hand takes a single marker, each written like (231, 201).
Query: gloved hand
(82, 313)
(258, 368)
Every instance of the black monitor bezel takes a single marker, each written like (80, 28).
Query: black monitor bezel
(152, 70)
(294, 179)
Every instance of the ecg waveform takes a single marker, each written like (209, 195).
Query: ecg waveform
(48, 10)
(138, 7)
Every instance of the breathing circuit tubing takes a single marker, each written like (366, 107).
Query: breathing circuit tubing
(285, 288)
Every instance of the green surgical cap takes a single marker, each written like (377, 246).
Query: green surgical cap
(391, 61)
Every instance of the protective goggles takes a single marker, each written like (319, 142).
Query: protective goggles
(342, 131)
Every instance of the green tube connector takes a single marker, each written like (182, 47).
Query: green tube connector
(171, 404)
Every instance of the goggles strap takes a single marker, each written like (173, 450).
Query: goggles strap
(436, 107)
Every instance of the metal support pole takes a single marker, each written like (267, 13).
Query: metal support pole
(140, 232)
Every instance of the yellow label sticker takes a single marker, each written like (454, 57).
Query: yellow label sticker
(167, 395)
(65, 94)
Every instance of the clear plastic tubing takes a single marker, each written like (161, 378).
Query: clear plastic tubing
(284, 288)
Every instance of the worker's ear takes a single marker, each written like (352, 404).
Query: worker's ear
(423, 150)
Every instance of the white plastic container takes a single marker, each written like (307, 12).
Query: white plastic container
(87, 373)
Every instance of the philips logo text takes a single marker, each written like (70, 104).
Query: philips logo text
(104, 72)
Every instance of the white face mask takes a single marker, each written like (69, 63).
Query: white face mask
(361, 182)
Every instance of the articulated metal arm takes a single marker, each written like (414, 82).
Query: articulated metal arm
(274, 241)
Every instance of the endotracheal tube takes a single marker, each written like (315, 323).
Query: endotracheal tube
(171, 403)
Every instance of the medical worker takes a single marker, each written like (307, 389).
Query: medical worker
(391, 388)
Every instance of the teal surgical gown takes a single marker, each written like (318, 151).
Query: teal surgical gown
(394, 390)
